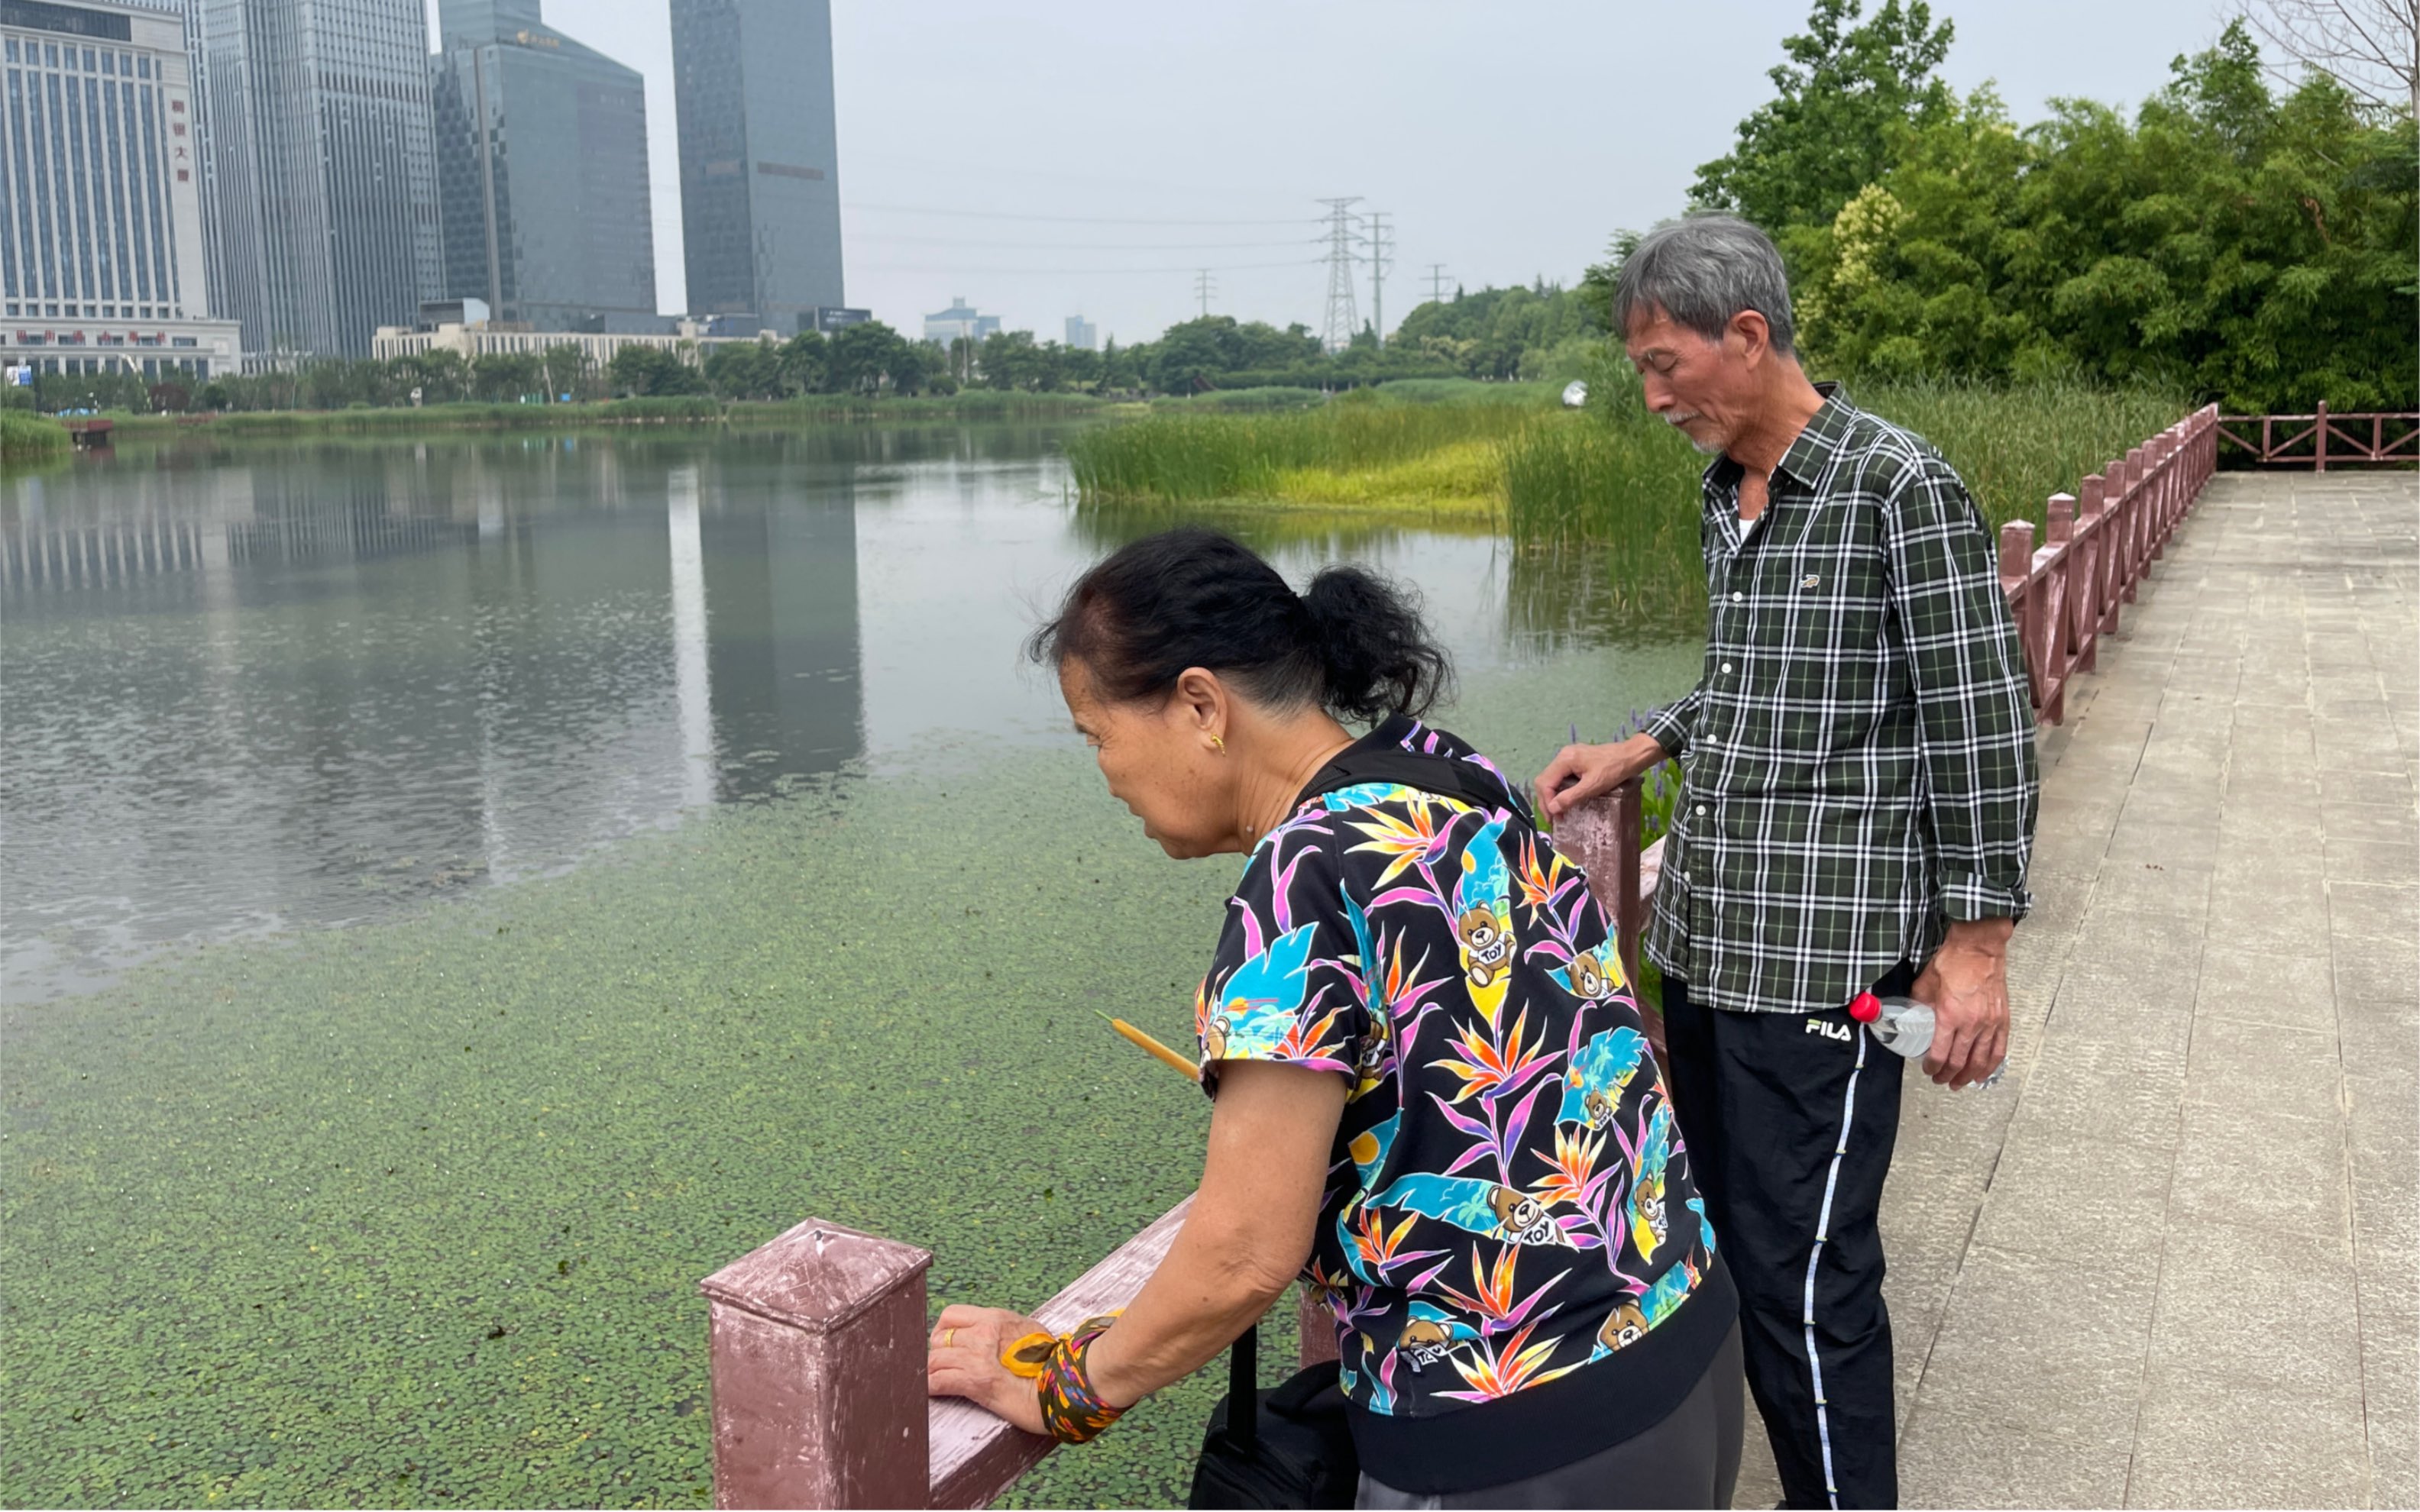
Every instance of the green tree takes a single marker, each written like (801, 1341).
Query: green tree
(565, 369)
(803, 363)
(746, 370)
(1827, 133)
(503, 377)
(651, 372)
(2253, 248)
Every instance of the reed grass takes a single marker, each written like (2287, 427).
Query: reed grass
(1184, 458)
(1619, 474)
(2017, 446)
(681, 410)
(27, 438)
(1273, 397)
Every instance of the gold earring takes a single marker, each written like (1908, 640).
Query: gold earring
(1219, 744)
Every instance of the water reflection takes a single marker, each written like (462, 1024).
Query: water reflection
(302, 686)
(269, 685)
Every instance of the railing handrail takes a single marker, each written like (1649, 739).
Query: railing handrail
(2101, 543)
(2324, 428)
(817, 1337)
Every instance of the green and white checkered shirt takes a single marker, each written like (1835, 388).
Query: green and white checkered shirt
(1859, 752)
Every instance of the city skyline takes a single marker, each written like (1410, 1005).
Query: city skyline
(957, 184)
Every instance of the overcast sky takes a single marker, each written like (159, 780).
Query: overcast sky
(1066, 157)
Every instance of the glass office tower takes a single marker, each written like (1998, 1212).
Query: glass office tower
(542, 166)
(322, 176)
(760, 183)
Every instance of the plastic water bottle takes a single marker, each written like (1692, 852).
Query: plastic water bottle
(1905, 1027)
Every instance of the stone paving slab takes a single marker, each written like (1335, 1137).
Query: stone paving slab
(2174, 1260)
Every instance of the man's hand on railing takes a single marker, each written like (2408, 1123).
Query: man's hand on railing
(964, 1360)
(1579, 773)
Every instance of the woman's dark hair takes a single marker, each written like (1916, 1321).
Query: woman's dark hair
(1352, 642)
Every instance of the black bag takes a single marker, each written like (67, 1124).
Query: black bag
(1291, 1447)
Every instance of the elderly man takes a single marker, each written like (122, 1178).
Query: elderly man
(1857, 814)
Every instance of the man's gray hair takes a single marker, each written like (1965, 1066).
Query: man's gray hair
(1702, 272)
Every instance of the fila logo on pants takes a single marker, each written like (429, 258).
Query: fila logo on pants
(1831, 1031)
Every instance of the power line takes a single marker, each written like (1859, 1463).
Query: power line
(1341, 323)
(1066, 219)
(1437, 283)
(1090, 246)
(1205, 285)
(1088, 272)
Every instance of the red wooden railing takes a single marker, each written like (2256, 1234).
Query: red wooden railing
(2319, 438)
(817, 1338)
(2066, 594)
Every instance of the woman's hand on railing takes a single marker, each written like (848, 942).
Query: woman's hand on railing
(1579, 773)
(964, 1360)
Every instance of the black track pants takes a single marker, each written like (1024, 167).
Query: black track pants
(1789, 1120)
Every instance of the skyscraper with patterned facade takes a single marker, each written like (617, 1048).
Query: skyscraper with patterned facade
(760, 180)
(542, 168)
(102, 263)
(322, 170)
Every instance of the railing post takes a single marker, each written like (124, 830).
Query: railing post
(1601, 837)
(1315, 1328)
(2061, 514)
(2070, 610)
(817, 1372)
(2136, 513)
(2323, 429)
(2098, 609)
(2016, 571)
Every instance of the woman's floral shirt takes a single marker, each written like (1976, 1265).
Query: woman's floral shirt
(1509, 1199)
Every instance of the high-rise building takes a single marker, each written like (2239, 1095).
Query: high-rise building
(101, 266)
(1082, 336)
(322, 175)
(542, 170)
(760, 180)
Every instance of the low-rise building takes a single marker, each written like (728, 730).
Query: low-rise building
(689, 340)
(961, 319)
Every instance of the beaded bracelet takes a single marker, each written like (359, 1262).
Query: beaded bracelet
(1072, 1411)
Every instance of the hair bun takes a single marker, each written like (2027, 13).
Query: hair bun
(1376, 656)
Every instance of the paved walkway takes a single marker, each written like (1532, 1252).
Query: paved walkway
(2174, 1259)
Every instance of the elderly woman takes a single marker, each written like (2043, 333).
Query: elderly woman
(1433, 1098)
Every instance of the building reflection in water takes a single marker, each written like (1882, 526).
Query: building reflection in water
(266, 688)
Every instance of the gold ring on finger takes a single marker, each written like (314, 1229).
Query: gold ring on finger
(947, 1334)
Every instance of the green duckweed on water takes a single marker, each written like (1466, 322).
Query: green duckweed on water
(414, 1214)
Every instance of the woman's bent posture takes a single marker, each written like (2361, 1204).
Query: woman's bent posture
(1435, 1099)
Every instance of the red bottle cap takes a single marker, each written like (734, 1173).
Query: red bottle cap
(1865, 1008)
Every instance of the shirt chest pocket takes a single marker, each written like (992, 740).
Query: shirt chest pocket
(1820, 640)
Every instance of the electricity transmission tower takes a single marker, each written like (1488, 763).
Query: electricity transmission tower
(1204, 286)
(1437, 283)
(1341, 317)
(1380, 247)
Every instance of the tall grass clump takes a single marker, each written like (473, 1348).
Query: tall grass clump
(1616, 473)
(1273, 397)
(1191, 459)
(26, 437)
(1463, 391)
(2017, 445)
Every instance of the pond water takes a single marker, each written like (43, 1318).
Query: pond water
(458, 894)
(282, 686)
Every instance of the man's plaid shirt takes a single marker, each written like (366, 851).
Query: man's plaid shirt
(1859, 752)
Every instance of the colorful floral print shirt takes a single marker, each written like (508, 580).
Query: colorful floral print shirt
(1509, 1200)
